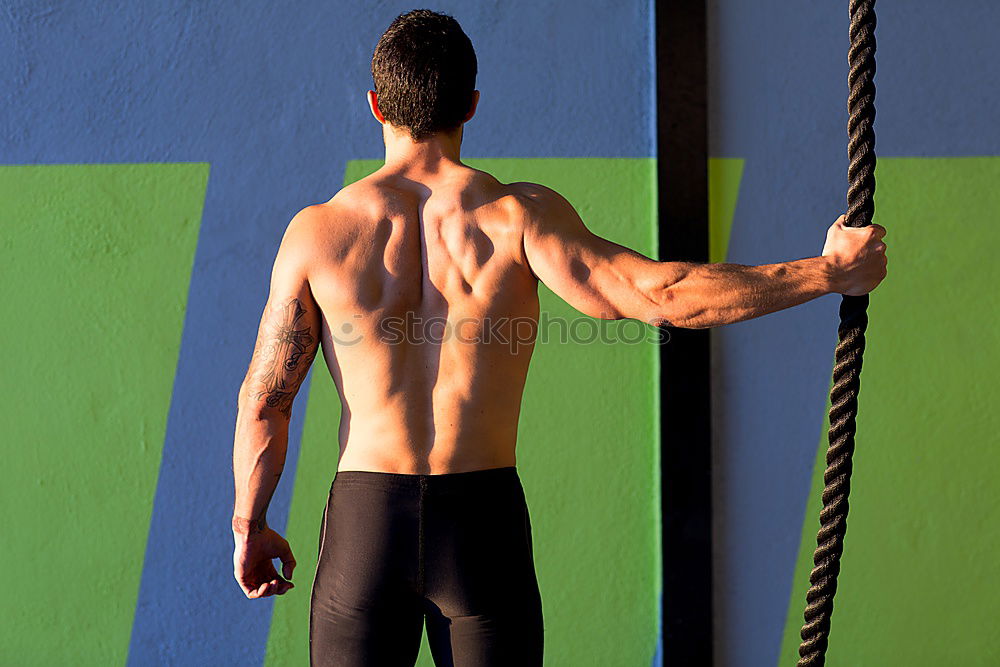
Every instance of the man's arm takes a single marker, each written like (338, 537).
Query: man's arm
(604, 279)
(287, 341)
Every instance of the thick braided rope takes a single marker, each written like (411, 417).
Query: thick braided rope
(847, 366)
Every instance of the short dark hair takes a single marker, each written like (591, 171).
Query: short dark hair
(424, 68)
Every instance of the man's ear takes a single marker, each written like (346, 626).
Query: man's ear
(373, 105)
(472, 109)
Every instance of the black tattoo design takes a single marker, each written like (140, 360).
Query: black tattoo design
(281, 357)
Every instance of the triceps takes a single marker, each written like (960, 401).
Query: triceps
(286, 345)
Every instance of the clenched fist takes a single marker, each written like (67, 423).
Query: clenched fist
(857, 256)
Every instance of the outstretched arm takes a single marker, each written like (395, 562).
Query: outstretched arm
(604, 279)
(287, 341)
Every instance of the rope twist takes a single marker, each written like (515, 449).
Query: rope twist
(850, 348)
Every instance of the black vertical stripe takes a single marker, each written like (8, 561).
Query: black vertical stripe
(682, 178)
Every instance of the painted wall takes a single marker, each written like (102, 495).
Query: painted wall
(919, 582)
(152, 156)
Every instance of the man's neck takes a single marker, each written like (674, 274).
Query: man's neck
(429, 156)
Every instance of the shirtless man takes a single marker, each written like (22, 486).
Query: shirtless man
(414, 279)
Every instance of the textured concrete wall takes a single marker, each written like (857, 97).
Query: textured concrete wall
(155, 152)
(919, 582)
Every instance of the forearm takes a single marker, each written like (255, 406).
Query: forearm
(259, 450)
(709, 295)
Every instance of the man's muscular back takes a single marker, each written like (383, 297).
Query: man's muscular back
(428, 309)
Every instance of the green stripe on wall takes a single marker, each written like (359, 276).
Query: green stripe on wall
(587, 454)
(96, 265)
(919, 577)
(724, 176)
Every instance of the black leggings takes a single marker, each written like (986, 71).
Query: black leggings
(453, 548)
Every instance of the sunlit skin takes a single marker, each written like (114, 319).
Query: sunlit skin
(428, 239)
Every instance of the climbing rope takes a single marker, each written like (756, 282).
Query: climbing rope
(851, 345)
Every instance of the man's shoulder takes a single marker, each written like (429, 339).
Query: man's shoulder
(317, 227)
(531, 191)
(311, 219)
(537, 198)
(354, 198)
(344, 210)
(540, 205)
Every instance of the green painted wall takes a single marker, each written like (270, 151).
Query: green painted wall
(724, 176)
(587, 453)
(95, 272)
(919, 577)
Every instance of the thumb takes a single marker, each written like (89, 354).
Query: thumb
(287, 560)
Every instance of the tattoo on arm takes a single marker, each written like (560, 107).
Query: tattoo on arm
(284, 351)
(249, 526)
